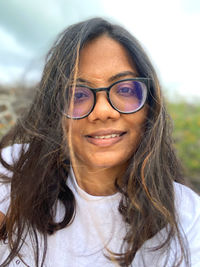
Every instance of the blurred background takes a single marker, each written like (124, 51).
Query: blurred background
(168, 30)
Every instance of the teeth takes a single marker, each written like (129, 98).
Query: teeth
(106, 136)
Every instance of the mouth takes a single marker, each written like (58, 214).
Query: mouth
(105, 139)
(114, 135)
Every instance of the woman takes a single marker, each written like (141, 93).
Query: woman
(95, 181)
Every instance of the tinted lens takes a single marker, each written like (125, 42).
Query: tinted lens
(82, 103)
(128, 96)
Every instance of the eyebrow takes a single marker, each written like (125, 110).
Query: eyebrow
(122, 75)
(112, 78)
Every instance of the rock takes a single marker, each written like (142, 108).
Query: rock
(3, 108)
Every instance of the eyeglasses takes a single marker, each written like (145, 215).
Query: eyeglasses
(126, 96)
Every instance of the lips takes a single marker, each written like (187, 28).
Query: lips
(105, 138)
(102, 133)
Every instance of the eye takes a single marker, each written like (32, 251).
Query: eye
(81, 94)
(126, 90)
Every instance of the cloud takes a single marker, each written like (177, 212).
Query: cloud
(28, 28)
(15, 58)
(168, 30)
(11, 46)
(36, 23)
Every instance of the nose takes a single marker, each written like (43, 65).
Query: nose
(102, 109)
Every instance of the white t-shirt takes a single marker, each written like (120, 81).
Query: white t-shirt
(98, 225)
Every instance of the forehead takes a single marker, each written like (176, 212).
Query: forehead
(102, 58)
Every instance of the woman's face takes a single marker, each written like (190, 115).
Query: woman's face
(103, 60)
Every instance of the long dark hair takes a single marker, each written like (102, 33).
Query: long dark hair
(40, 172)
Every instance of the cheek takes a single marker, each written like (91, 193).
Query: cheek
(72, 133)
(76, 133)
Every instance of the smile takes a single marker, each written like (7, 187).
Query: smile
(106, 136)
(105, 139)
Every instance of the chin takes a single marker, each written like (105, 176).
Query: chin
(107, 162)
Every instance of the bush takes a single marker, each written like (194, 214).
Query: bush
(186, 119)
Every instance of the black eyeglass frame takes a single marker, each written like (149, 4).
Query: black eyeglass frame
(107, 89)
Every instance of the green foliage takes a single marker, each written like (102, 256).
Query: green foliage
(186, 119)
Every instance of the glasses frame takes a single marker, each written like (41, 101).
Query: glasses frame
(107, 89)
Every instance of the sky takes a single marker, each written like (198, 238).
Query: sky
(167, 29)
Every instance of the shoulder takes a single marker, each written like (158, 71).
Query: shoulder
(187, 204)
(9, 155)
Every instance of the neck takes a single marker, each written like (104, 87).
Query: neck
(98, 182)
